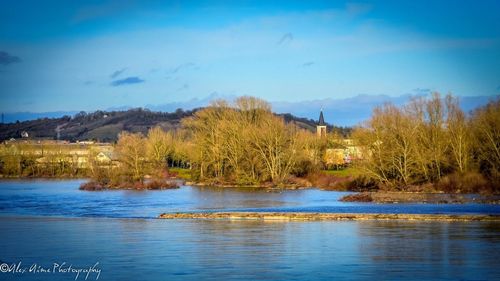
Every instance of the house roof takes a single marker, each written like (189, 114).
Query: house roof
(321, 119)
(109, 154)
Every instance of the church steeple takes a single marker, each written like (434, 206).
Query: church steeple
(321, 119)
(321, 127)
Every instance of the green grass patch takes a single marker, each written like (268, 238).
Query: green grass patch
(341, 173)
(181, 173)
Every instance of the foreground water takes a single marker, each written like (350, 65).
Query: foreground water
(51, 224)
(139, 249)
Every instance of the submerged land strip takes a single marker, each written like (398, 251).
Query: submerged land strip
(300, 216)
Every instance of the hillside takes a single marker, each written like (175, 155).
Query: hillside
(105, 126)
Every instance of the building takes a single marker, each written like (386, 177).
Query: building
(321, 127)
(106, 157)
(339, 152)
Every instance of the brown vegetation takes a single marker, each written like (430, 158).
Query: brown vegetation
(357, 197)
(104, 126)
(386, 197)
(139, 157)
(244, 144)
(428, 145)
(329, 182)
(432, 141)
(30, 159)
(147, 185)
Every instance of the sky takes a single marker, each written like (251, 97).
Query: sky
(89, 55)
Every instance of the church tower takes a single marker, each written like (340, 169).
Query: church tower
(321, 127)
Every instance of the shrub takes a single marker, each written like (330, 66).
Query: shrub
(91, 186)
(362, 183)
(358, 197)
(160, 184)
(298, 182)
(470, 182)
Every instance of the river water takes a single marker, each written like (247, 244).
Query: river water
(49, 225)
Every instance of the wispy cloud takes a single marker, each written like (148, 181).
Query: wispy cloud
(285, 39)
(117, 73)
(307, 64)
(422, 91)
(183, 66)
(127, 81)
(6, 58)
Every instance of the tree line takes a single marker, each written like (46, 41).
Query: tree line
(243, 143)
(240, 143)
(38, 160)
(432, 141)
(427, 144)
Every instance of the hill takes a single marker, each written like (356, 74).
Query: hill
(100, 125)
(105, 126)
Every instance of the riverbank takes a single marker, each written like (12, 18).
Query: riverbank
(299, 216)
(59, 177)
(385, 197)
(326, 180)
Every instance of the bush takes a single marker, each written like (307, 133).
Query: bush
(358, 197)
(160, 184)
(91, 186)
(152, 184)
(327, 181)
(361, 183)
(298, 182)
(470, 182)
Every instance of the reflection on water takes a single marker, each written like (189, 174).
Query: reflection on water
(144, 249)
(62, 198)
(456, 250)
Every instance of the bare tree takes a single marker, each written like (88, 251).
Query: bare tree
(276, 145)
(486, 127)
(131, 151)
(159, 146)
(459, 135)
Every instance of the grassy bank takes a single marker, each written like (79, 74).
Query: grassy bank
(347, 172)
(181, 173)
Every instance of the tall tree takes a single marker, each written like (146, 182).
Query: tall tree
(486, 127)
(159, 147)
(131, 151)
(459, 135)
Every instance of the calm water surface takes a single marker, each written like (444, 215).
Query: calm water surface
(62, 198)
(47, 222)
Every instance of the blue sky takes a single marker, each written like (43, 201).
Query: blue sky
(88, 55)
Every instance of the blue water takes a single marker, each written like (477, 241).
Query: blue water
(43, 223)
(62, 198)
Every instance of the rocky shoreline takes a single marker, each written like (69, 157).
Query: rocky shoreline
(420, 197)
(298, 216)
